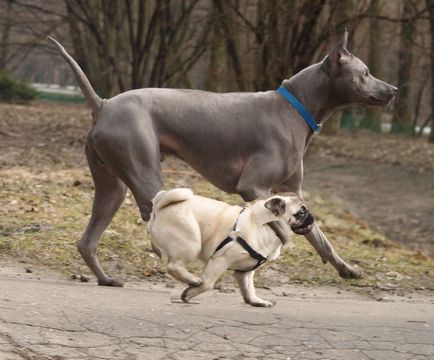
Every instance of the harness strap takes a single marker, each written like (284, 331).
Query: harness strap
(255, 255)
(223, 243)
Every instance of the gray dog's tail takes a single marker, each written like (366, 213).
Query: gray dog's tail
(93, 100)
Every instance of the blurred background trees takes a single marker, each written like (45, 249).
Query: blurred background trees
(226, 45)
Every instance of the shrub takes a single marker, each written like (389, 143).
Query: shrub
(15, 91)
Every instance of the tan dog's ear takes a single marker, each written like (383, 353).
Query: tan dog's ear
(276, 206)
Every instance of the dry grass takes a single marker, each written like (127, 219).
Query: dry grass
(46, 194)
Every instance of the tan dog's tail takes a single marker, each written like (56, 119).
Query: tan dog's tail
(167, 197)
(93, 100)
(162, 199)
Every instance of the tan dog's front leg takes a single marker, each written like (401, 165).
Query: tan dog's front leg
(212, 271)
(247, 288)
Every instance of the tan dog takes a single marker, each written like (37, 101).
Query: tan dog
(185, 227)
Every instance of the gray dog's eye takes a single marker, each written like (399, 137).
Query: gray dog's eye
(366, 72)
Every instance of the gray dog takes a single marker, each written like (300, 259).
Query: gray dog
(251, 144)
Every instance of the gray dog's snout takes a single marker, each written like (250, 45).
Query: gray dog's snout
(394, 90)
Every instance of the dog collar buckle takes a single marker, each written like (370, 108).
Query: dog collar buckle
(318, 129)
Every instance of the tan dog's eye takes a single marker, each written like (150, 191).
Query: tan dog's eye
(301, 213)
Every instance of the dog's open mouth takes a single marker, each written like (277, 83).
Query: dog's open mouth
(305, 227)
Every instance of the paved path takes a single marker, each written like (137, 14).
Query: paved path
(54, 319)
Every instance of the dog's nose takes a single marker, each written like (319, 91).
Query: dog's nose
(394, 90)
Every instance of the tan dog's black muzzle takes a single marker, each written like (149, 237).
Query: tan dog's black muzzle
(305, 226)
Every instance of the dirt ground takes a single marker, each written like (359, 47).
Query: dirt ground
(364, 190)
(386, 180)
(398, 201)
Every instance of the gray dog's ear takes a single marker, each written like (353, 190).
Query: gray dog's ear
(276, 206)
(344, 40)
(339, 52)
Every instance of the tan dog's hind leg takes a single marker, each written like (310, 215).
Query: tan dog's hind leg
(211, 272)
(184, 241)
(247, 288)
(177, 269)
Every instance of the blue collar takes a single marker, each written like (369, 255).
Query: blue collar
(316, 128)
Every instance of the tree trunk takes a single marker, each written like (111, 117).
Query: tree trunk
(402, 115)
(372, 118)
(269, 48)
(91, 58)
(430, 5)
(136, 43)
(215, 61)
(5, 36)
(344, 10)
(231, 47)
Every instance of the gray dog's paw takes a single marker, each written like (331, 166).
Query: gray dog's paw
(110, 282)
(352, 272)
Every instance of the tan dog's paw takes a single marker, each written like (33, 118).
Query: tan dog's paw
(195, 282)
(179, 301)
(261, 303)
(185, 296)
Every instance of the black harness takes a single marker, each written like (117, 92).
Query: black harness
(258, 257)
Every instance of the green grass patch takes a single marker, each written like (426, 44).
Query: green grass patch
(58, 97)
(15, 91)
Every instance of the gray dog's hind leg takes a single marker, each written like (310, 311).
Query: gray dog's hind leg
(319, 241)
(120, 161)
(109, 194)
(135, 156)
(144, 186)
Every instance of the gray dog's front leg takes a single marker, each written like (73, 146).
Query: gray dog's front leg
(282, 231)
(319, 241)
(317, 238)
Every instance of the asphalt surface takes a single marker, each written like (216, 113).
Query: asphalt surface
(61, 319)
